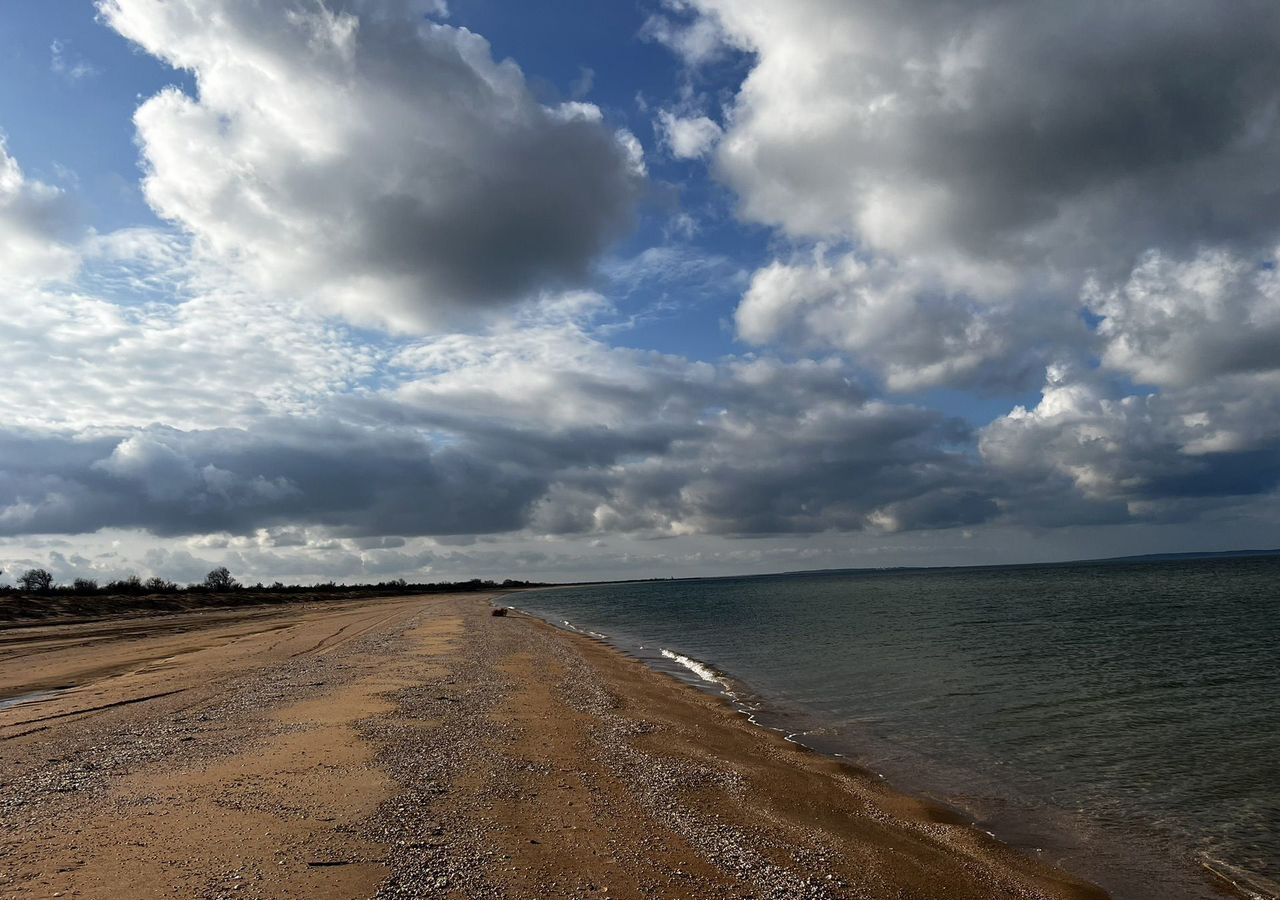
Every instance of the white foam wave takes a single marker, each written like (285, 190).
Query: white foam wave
(701, 669)
(576, 630)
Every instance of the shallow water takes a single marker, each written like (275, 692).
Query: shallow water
(33, 697)
(1121, 719)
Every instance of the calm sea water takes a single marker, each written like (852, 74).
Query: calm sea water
(1122, 720)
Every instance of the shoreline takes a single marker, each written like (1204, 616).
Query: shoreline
(1217, 878)
(420, 747)
(716, 691)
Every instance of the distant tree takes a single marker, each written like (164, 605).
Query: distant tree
(157, 585)
(220, 580)
(130, 585)
(84, 586)
(36, 581)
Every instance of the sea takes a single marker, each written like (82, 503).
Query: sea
(1118, 719)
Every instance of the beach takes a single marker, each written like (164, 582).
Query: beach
(422, 747)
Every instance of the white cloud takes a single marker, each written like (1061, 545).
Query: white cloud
(903, 322)
(383, 166)
(1003, 151)
(1177, 322)
(1147, 455)
(688, 138)
(696, 41)
(75, 360)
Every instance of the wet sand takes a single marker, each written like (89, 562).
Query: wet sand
(420, 747)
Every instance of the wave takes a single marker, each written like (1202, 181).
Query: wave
(587, 631)
(1251, 885)
(701, 669)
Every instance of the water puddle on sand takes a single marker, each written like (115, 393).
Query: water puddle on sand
(33, 697)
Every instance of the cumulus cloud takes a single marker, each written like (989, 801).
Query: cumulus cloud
(173, 482)
(383, 165)
(1176, 322)
(905, 323)
(675, 447)
(688, 137)
(1149, 456)
(999, 153)
(538, 427)
(1007, 131)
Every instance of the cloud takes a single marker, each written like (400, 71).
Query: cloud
(323, 473)
(1177, 322)
(359, 159)
(37, 228)
(688, 138)
(1007, 132)
(994, 156)
(538, 427)
(697, 41)
(904, 323)
(377, 163)
(541, 429)
(72, 68)
(1145, 457)
(146, 338)
(744, 446)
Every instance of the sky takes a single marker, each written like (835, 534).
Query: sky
(356, 290)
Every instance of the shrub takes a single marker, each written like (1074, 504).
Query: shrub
(131, 585)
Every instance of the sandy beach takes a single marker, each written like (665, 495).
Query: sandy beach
(421, 747)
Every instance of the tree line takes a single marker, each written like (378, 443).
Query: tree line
(221, 581)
